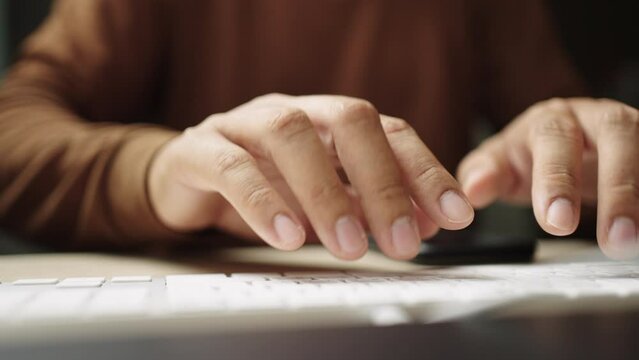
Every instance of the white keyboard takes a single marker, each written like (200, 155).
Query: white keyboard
(391, 297)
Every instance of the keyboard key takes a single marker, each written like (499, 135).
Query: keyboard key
(58, 303)
(11, 301)
(188, 299)
(260, 301)
(131, 279)
(119, 301)
(85, 279)
(622, 287)
(194, 280)
(389, 315)
(44, 281)
(317, 275)
(316, 299)
(253, 277)
(81, 282)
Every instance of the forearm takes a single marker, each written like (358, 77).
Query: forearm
(69, 181)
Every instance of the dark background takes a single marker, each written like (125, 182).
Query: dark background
(602, 37)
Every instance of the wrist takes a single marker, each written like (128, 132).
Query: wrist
(178, 206)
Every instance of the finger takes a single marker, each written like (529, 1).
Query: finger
(432, 187)
(215, 164)
(372, 169)
(342, 123)
(427, 227)
(317, 107)
(288, 138)
(618, 188)
(485, 173)
(556, 144)
(356, 203)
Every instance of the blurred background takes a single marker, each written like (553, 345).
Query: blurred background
(601, 36)
(17, 19)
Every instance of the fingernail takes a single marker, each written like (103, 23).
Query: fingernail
(622, 237)
(287, 230)
(405, 236)
(350, 234)
(561, 215)
(455, 208)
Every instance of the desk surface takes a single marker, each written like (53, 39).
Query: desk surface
(247, 259)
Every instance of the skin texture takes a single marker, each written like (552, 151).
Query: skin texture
(269, 168)
(559, 154)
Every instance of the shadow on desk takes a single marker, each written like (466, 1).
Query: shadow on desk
(238, 259)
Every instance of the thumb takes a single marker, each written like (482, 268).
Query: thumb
(485, 173)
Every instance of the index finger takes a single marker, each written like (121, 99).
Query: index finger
(371, 166)
(433, 188)
(614, 128)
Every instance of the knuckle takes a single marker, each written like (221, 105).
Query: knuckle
(257, 196)
(556, 126)
(556, 103)
(394, 125)
(326, 192)
(606, 101)
(627, 189)
(356, 111)
(559, 176)
(553, 105)
(621, 117)
(389, 192)
(210, 122)
(289, 122)
(429, 172)
(269, 98)
(190, 132)
(229, 161)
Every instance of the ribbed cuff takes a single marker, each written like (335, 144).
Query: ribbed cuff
(132, 212)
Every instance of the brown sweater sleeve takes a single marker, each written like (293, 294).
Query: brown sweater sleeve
(74, 161)
(521, 57)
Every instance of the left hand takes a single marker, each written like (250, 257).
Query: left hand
(558, 154)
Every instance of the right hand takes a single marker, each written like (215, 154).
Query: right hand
(269, 168)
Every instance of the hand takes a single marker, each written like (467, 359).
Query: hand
(559, 153)
(269, 167)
